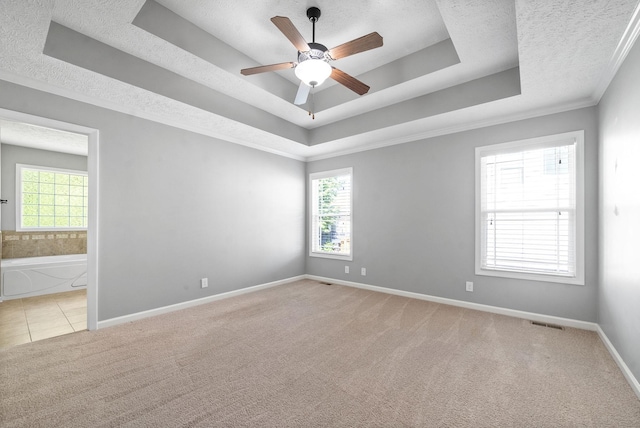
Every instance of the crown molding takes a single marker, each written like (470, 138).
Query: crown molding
(627, 41)
(530, 114)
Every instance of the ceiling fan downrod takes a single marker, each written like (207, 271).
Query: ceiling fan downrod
(313, 13)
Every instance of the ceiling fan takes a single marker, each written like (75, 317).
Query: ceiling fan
(313, 66)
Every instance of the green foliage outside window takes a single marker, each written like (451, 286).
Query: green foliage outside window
(332, 212)
(327, 194)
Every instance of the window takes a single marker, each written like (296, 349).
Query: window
(331, 214)
(530, 209)
(50, 198)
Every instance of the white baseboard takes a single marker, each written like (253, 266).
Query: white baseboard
(566, 322)
(626, 372)
(191, 303)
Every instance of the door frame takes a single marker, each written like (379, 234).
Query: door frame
(94, 198)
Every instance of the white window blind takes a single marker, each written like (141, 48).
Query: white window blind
(529, 216)
(331, 201)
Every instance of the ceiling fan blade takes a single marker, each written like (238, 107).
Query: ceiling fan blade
(265, 68)
(349, 81)
(303, 93)
(285, 25)
(364, 43)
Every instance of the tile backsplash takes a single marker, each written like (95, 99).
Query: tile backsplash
(34, 244)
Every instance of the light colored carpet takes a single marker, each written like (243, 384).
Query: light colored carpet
(309, 355)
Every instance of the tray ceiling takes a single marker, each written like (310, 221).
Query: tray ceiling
(445, 65)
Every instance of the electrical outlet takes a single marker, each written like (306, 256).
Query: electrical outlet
(346, 269)
(363, 271)
(469, 286)
(204, 282)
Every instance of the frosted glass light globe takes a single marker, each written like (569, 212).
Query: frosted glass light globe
(313, 72)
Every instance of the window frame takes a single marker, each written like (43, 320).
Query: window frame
(19, 169)
(522, 145)
(320, 175)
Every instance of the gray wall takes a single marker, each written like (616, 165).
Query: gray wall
(11, 155)
(619, 297)
(414, 220)
(175, 206)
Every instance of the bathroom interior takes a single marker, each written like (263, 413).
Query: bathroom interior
(44, 238)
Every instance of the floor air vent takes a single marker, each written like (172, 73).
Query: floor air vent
(325, 283)
(544, 324)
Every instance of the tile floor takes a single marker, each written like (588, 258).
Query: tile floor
(36, 318)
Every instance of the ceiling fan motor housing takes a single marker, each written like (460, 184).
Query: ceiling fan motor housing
(316, 51)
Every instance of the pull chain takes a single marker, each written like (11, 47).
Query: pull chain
(311, 103)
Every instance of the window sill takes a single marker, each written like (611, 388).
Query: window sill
(347, 257)
(578, 280)
(58, 230)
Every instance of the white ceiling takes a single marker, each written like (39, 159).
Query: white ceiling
(43, 138)
(446, 65)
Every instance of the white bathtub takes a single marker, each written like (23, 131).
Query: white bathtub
(35, 276)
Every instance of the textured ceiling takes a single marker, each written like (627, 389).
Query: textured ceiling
(340, 22)
(446, 65)
(39, 137)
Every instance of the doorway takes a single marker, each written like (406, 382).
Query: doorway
(67, 304)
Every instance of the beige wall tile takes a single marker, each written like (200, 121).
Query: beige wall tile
(47, 247)
(32, 244)
(25, 248)
(7, 249)
(74, 246)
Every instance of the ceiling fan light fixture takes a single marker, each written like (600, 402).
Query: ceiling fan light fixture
(313, 72)
(313, 66)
